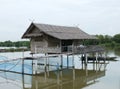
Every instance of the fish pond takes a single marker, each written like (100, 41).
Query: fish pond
(91, 76)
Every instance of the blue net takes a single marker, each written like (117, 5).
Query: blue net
(15, 66)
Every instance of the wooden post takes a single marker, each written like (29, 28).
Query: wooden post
(93, 60)
(96, 57)
(61, 73)
(32, 66)
(93, 66)
(45, 75)
(36, 66)
(86, 71)
(61, 57)
(86, 59)
(96, 67)
(67, 61)
(73, 60)
(45, 67)
(105, 58)
(73, 73)
(48, 67)
(36, 83)
(58, 75)
(45, 61)
(23, 81)
(82, 60)
(23, 66)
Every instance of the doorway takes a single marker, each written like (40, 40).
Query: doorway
(66, 44)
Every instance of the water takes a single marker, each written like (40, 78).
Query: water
(98, 76)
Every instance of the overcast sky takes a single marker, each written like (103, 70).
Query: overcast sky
(92, 16)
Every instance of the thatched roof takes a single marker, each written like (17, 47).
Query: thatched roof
(59, 32)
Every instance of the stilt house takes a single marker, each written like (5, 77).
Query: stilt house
(47, 38)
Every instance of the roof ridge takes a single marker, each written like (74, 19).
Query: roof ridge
(55, 25)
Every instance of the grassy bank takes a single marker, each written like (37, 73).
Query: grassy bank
(112, 45)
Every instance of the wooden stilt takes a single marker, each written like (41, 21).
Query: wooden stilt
(82, 60)
(23, 81)
(48, 67)
(45, 61)
(61, 73)
(23, 66)
(45, 67)
(73, 61)
(35, 66)
(45, 75)
(96, 67)
(96, 57)
(61, 57)
(86, 59)
(67, 61)
(36, 83)
(73, 73)
(32, 66)
(93, 55)
(93, 66)
(58, 74)
(86, 70)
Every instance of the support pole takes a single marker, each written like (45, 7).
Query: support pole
(58, 74)
(82, 60)
(73, 73)
(32, 66)
(45, 61)
(67, 61)
(73, 61)
(23, 66)
(36, 66)
(86, 59)
(93, 65)
(86, 72)
(93, 55)
(23, 81)
(48, 67)
(61, 57)
(45, 66)
(96, 57)
(36, 83)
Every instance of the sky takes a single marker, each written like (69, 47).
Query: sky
(92, 16)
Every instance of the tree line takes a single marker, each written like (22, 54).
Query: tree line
(106, 40)
(15, 44)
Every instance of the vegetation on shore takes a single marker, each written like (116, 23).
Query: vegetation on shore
(14, 46)
(110, 42)
(104, 40)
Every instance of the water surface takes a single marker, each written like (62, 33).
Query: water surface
(92, 76)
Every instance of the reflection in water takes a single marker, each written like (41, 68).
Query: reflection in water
(58, 79)
(117, 52)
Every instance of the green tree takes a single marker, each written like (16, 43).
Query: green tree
(100, 39)
(8, 43)
(116, 38)
(107, 39)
